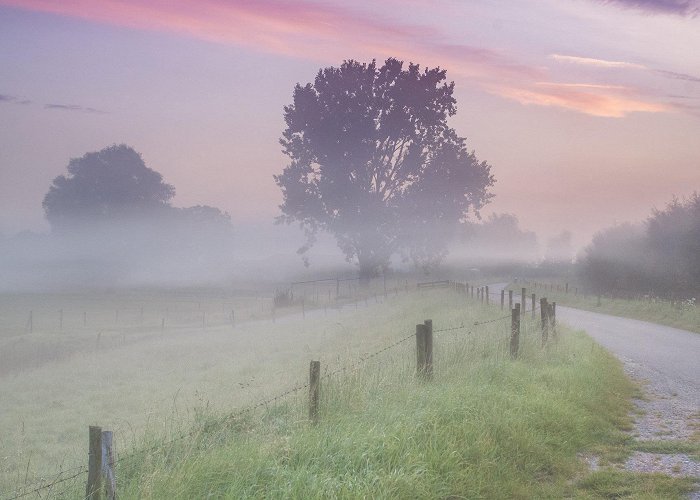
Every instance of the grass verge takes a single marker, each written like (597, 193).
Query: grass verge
(677, 315)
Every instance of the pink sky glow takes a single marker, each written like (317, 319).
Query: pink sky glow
(561, 89)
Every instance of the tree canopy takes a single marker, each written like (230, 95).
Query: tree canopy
(102, 185)
(374, 162)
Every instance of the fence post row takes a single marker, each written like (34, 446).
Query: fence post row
(515, 331)
(314, 390)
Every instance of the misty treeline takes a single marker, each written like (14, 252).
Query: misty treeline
(112, 223)
(660, 257)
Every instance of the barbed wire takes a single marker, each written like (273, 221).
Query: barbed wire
(17, 494)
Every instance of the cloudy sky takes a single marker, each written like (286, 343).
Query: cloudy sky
(588, 110)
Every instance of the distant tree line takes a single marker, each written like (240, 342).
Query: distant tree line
(660, 257)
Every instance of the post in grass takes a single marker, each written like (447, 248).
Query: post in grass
(533, 306)
(515, 331)
(523, 302)
(424, 350)
(314, 390)
(486, 292)
(544, 317)
(510, 299)
(503, 295)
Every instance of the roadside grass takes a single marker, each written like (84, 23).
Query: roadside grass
(610, 483)
(667, 446)
(677, 315)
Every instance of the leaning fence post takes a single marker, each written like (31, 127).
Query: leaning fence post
(93, 488)
(108, 466)
(544, 309)
(314, 390)
(515, 331)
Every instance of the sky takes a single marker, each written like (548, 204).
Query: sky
(587, 110)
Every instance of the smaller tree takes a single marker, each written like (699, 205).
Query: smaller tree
(104, 185)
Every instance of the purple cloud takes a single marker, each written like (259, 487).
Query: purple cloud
(74, 107)
(688, 8)
(677, 76)
(13, 99)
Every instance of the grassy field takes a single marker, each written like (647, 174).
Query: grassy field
(485, 427)
(111, 363)
(682, 314)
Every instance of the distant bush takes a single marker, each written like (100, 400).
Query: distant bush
(661, 257)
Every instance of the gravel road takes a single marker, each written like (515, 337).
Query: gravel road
(667, 362)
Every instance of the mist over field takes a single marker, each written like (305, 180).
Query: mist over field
(229, 230)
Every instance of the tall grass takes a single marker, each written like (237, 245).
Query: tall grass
(485, 426)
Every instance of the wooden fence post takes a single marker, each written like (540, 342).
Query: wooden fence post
(424, 354)
(93, 489)
(487, 294)
(109, 478)
(428, 348)
(510, 299)
(314, 390)
(515, 331)
(553, 319)
(523, 301)
(533, 306)
(544, 309)
(503, 295)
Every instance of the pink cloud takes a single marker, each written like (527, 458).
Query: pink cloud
(596, 100)
(329, 33)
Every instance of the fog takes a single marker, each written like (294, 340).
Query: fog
(158, 251)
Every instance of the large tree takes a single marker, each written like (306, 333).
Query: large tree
(374, 162)
(103, 186)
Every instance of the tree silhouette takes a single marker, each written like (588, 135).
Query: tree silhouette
(104, 185)
(374, 163)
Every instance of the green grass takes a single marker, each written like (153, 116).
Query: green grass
(485, 426)
(668, 446)
(620, 484)
(677, 315)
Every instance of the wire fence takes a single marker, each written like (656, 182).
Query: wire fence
(37, 488)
